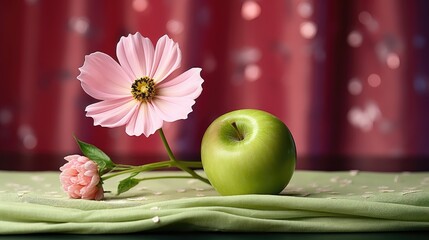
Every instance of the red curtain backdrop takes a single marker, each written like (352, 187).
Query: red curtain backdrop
(349, 78)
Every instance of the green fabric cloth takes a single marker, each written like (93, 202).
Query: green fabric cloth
(33, 202)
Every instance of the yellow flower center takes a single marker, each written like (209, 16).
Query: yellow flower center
(143, 89)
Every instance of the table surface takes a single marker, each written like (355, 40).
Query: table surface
(229, 236)
(347, 201)
(42, 162)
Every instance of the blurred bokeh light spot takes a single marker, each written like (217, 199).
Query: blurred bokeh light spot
(374, 80)
(355, 39)
(355, 86)
(367, 19)
(419, 41)
(26, 134)
(29, 141)
(308, 29)
(247, 55)
(393, 61)
(140, 5)
(250, 10)
(364, 118)
(252, 72)
(420, 84)
(79, 24)
(305, 9)
(175, 26)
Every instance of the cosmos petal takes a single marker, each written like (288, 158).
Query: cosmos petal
(187, 84)
(135, 54)
(173, 108)
(102, 78)
(109, 81)
(145, 120)
(112, 113)
(166, 59)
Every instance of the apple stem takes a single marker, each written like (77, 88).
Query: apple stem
(178, 163)
(239, 135)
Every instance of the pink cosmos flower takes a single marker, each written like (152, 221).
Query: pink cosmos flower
(80, 179)
(137, 92)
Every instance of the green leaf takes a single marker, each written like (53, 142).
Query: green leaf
(95, 154)
(127, 184)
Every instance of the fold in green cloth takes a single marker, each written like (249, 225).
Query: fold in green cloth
(33, 202)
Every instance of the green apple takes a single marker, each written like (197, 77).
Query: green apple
(248, 152)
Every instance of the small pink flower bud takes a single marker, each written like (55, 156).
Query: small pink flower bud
(80, 179)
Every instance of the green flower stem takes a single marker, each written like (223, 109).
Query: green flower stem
(123, 166)
(186, 166)
(142, 168)
(162, 177)
(191, 164)
(124, 169)
(179, 164)
(116, 168)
